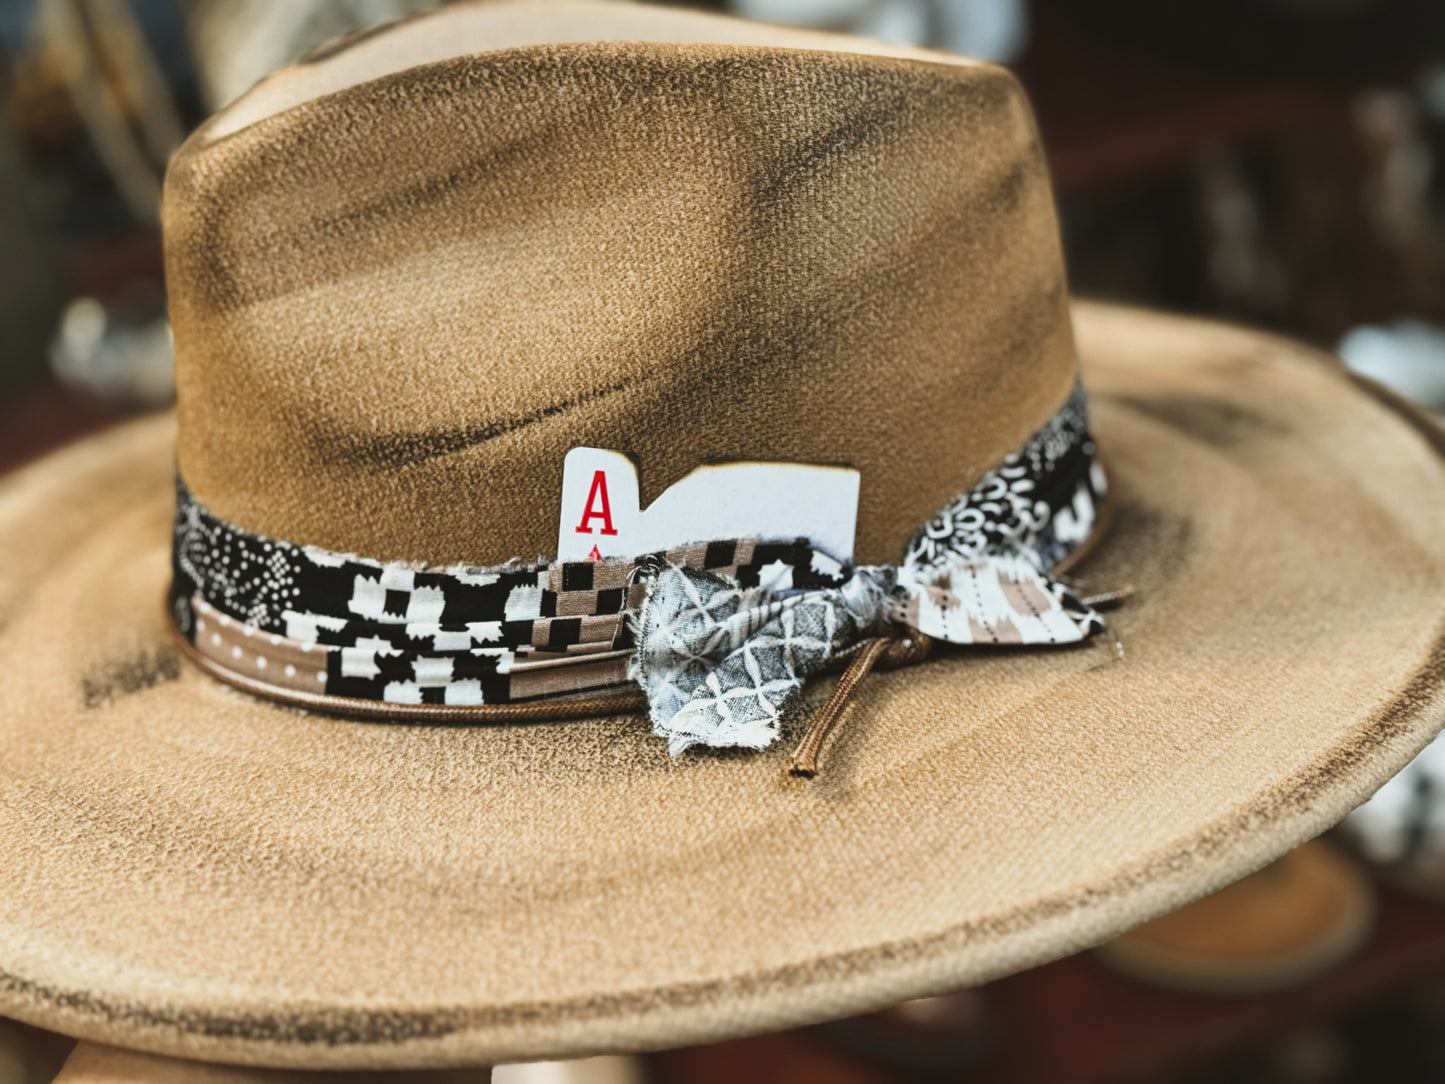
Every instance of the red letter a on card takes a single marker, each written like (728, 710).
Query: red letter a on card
(598, 506)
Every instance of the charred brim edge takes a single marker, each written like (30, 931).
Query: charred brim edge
(308, 1037)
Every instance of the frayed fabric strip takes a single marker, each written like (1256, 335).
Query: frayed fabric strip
(709, 685)
(720, 664)
(720, 635)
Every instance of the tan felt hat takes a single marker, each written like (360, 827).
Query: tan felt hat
(408, 276)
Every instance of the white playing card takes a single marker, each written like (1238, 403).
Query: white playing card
(768, 501)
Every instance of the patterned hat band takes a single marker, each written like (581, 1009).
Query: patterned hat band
(716, 639)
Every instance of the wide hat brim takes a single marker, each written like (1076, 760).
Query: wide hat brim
(191, 870)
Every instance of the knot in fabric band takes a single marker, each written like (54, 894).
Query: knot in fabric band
(720, 636)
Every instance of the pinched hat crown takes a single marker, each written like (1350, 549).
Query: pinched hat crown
(412, 272)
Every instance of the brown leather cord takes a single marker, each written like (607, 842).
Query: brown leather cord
(805, 756)
(1104, 598)
(623, 701)
(905, 647)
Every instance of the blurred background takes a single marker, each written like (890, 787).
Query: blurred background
(1279, 163)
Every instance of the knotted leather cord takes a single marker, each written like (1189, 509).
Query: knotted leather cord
(902, 647)
(805, 756)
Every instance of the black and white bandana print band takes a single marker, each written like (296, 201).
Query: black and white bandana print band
(720, 635)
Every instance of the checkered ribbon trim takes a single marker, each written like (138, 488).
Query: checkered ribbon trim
(720, 635)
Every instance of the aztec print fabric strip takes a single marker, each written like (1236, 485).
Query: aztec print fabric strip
(462, 635)
(720, 634)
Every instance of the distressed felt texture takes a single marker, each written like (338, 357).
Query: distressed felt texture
(191, 870)
(406, 276)
(397, 305)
